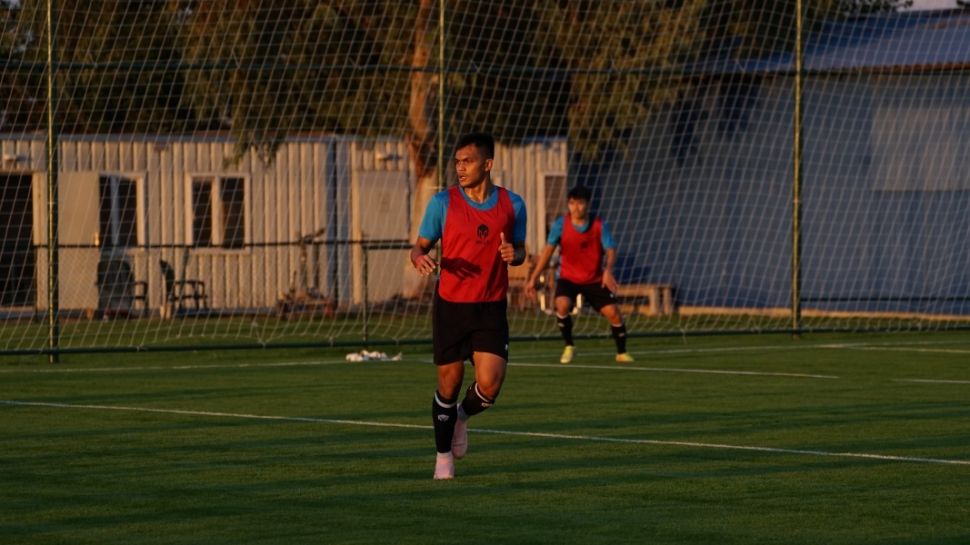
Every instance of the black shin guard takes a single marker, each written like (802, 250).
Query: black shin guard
(444, 412)
(619, 336)
(474, 401)
(566, 328)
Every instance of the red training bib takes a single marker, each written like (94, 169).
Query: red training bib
(472, 270)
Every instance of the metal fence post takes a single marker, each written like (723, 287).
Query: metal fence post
(796, 256)
(53, 295)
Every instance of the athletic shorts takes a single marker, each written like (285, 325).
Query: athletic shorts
(458, 329)
(594, 294)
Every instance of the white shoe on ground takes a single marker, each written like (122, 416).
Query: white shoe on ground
(444, 467)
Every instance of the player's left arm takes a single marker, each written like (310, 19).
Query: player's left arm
(606, 239)
(609, 281)
(514, 253)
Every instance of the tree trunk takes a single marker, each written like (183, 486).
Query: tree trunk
(422, 135)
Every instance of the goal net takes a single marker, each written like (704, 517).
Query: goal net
(253, 172)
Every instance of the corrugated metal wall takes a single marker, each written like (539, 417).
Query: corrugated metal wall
(341, 189)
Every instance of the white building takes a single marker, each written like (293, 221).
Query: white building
(129, 202)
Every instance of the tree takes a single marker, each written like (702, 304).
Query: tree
(593, 70)
(264, 69)
(862, 7)
(117, 68)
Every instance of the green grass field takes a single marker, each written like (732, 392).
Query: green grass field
(856, 439)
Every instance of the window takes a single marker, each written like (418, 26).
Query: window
(218, 212)
(555, 201)
(17, 255)
(118, 211)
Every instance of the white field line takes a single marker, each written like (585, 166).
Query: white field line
(646, 353)
(706, 350)
(905, 349)
(122, 369)
(781, 347)
(892, 346)
(931, 381)
(672, 370)
(566, 437)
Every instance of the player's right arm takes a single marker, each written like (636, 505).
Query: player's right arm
(541, 264)
(555, 235)
(429, 232)
(420, 258)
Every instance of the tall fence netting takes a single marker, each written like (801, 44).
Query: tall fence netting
(250, 172)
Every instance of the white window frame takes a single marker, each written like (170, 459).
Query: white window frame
(140, 219)
(218, 236)
(540, 218)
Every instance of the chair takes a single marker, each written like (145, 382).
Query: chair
(118, 291)
(139, 293)
(177, 291)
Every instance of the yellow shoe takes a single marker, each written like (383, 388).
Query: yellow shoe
(624, 358)
(567, 354)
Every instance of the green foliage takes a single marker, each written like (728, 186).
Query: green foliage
(625, 59)
(861, 7)
(494, 81)
(115, 68)
(608, 62)
(264, 69)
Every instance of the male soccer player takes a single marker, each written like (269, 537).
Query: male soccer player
(583, 240)
(482, 229)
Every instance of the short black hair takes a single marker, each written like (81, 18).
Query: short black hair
(481, 140)
(580, 192)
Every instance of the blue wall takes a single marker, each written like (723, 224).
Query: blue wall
(702, 196)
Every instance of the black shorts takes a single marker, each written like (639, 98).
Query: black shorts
(458, 329)
(595, 294)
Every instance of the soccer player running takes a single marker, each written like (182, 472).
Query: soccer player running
(482, 229)
(583, 240)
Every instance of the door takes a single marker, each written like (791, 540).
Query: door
(117, 233)
(17, 260)
(380, 210)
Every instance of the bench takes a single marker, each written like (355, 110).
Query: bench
(659, 299)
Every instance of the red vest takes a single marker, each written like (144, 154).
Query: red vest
(581, 254)
(472, 270)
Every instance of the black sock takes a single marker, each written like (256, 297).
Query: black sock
(474, 401)
(444, 413)
(566, 328)
(619, 336)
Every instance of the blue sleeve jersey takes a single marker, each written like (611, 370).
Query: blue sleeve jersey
(555, 233)
(433, 223)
